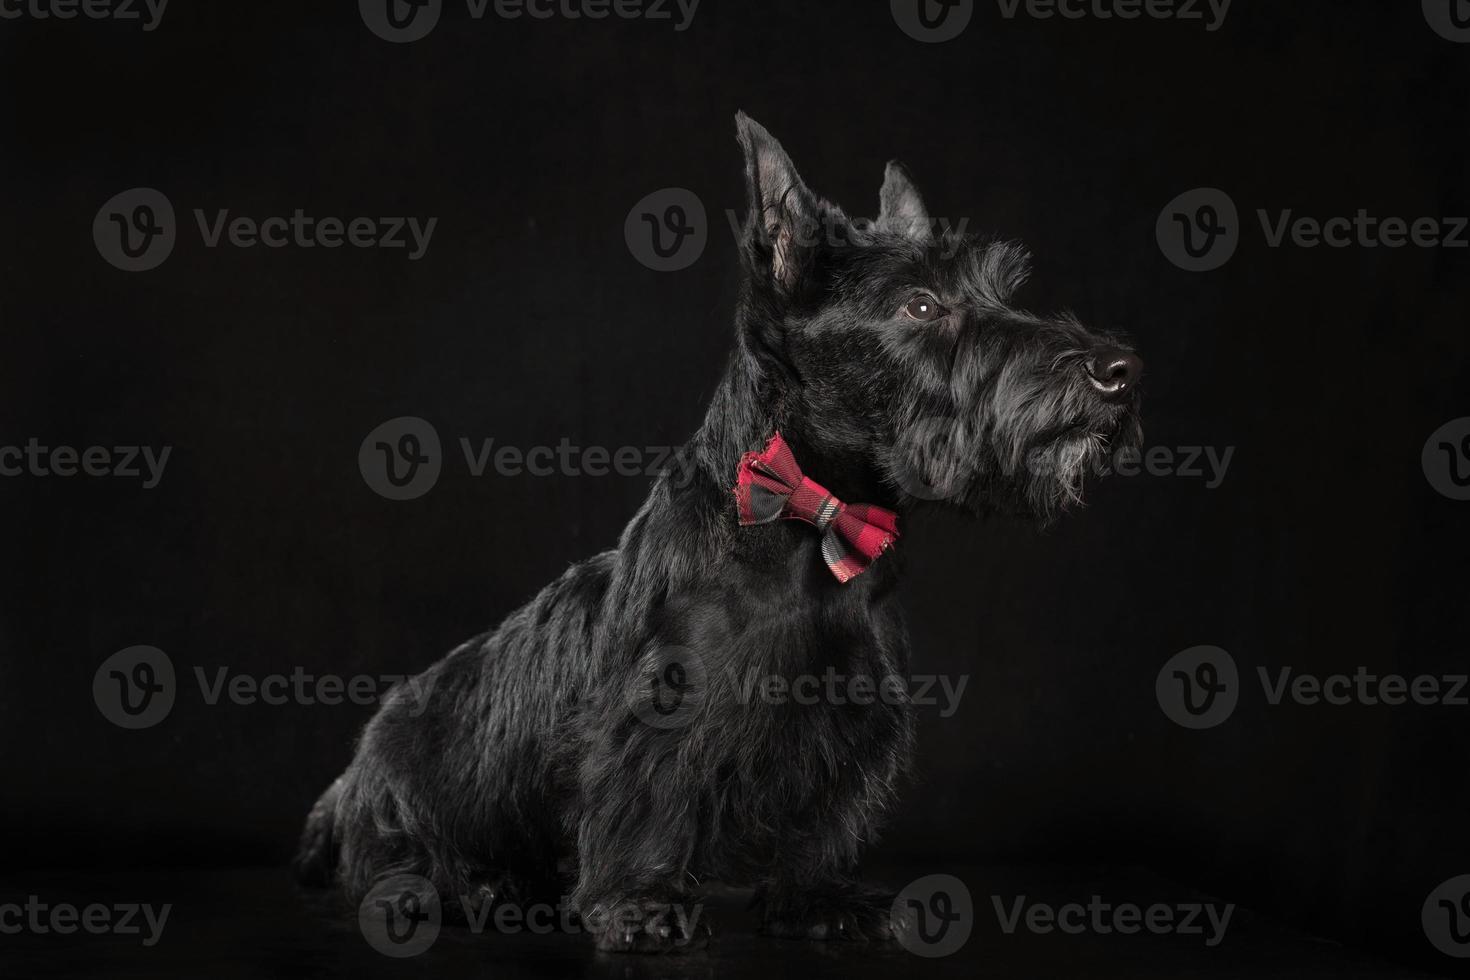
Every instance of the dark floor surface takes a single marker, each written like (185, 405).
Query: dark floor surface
(256, 923)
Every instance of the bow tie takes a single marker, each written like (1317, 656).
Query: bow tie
(769, 486)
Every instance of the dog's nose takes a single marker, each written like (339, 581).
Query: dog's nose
(1114, 371)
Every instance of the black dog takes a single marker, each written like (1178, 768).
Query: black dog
(615, 727)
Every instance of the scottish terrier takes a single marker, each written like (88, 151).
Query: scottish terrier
(604, 738)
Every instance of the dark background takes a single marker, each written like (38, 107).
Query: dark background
(529, 321)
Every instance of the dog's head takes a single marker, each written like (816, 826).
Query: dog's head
(898, 349)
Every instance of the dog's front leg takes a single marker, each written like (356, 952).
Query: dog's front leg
(634, 842)
(831, 907)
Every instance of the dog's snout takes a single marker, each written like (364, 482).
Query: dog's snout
(1114, 371)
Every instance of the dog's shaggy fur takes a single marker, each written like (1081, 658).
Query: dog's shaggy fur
(534, 751)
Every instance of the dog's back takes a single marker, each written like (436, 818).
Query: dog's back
(461, 764)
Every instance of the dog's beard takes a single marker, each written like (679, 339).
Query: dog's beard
(1051, 433)
(1026, 441)
(1039, 469)
(1059, 469)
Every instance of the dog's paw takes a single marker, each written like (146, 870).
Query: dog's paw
(863, 916)
(648, 927)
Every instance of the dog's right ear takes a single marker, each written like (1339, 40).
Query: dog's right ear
(903, 211)
(781, 223)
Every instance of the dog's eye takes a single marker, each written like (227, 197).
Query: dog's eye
(924, 307)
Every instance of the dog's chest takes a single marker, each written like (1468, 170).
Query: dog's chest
(808, 729)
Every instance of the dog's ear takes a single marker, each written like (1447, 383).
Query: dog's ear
(903, 211)
(783, 214)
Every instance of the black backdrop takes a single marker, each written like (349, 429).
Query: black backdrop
(528, 320)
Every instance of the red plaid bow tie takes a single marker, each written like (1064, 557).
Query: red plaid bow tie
(769, 486)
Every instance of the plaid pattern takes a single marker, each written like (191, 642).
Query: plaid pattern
(769, 486)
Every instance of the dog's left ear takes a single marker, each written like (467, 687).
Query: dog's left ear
(783, 213)
(903, 211)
